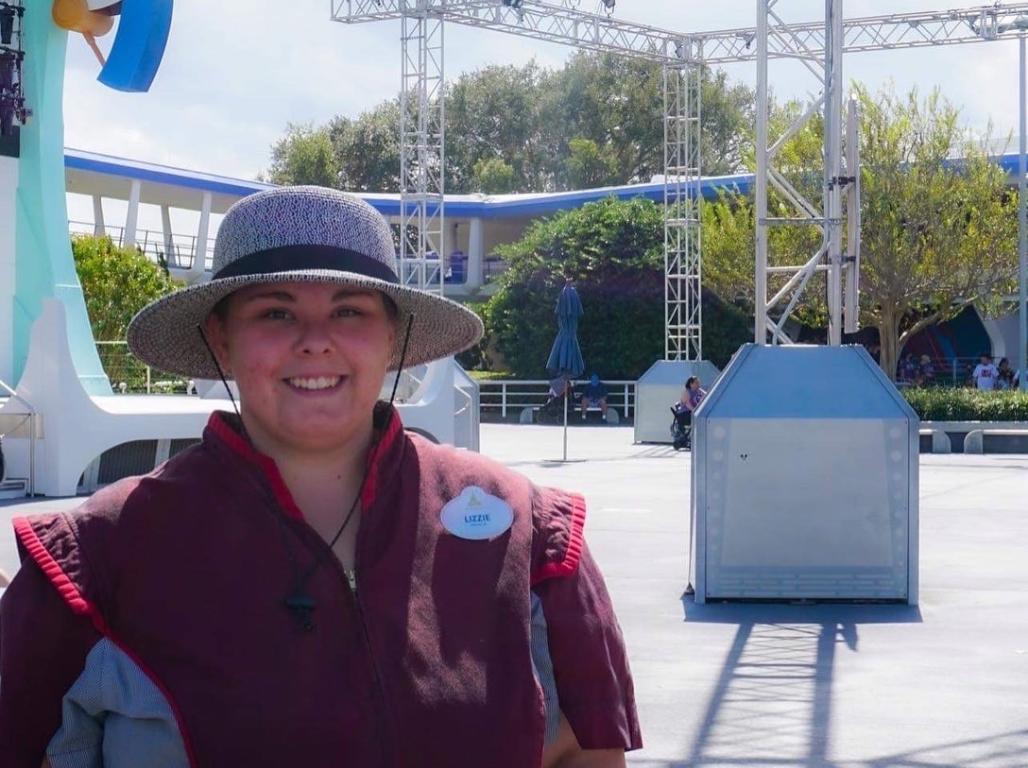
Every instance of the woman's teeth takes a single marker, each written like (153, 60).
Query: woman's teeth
(322, 382)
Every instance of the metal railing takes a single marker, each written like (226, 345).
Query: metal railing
(130, 375)
(513, 395)
(31, 418)
(154, 245)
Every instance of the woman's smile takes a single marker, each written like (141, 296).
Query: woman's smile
(315, 384)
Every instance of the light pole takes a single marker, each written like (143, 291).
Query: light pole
(1022, 233)
(1021, 23)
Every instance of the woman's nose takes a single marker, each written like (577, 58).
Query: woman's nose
(314, 340)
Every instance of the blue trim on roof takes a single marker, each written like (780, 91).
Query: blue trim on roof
(459, 206)
(160, 174)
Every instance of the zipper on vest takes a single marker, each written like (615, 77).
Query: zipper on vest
(387, 718)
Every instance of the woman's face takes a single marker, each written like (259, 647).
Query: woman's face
(309, 360)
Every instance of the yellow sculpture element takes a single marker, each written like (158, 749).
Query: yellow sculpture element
(76, 16)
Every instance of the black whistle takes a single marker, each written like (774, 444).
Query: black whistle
(302, 607)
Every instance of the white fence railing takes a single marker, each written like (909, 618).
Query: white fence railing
(509, 397)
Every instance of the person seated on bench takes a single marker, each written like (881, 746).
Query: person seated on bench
(595, 396)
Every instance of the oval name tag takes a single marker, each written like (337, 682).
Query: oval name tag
(476, 515)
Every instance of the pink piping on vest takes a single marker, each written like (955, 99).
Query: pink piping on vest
(569, 563)
(278, 486)
(80, 606)
(234, 440)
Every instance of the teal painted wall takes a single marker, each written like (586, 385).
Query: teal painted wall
(44, 264)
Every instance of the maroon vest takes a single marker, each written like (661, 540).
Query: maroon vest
(188, 570)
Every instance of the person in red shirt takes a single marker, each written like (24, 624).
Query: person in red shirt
(311, 585)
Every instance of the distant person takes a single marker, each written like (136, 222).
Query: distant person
(595, 396)
(1005, 375)
(693, 394)
(925, 372)
(690, 399)
(558, 388)
(907, 369)
(985, 374)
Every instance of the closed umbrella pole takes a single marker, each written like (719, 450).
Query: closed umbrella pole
(565, 358)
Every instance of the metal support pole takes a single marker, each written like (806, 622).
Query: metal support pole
(760, 203)
(833, 166)
(1022, 296)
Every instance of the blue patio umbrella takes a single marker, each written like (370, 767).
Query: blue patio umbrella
(565, 360)
(566, 355)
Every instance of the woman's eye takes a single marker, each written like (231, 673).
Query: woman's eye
(347, 312)
(276, 314)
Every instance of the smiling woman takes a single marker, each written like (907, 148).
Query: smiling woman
(311, 585)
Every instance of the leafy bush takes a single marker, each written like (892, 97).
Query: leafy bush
(936, 404)
(614, 251)
(116, 282)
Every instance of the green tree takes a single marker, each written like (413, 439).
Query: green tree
(618, 103)
(367, 149)
(116, 282)
(614, 251)
(597, 120)
(937, 235)
(305, 155)
(493, 176)
(590, 165)
(494, 113)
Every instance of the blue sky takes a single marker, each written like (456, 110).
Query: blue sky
(236, 71)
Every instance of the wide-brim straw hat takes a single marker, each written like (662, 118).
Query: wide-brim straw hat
(297, 235)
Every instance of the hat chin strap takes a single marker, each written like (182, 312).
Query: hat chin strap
(403, 358)
(221, 375)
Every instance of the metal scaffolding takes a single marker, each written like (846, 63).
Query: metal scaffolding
(422, 152)
(818, 45)
(682, 200)
(827, 214)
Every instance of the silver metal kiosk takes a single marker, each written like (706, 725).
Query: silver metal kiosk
(804, 480)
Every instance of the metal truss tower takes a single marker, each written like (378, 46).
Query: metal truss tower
(819, 45)
(683, 264)
(827, 214)
(422, 151)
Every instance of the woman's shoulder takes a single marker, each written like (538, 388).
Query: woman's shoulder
(101, 516)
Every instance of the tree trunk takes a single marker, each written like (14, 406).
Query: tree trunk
(888, 340)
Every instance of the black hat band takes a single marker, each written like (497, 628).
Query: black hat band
(295, 258)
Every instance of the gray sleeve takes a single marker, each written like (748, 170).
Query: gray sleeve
(544, 669)
(114, 716)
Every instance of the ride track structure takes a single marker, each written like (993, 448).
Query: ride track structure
(818, 45)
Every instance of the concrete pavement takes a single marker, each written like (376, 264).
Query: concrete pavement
(944, 684)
